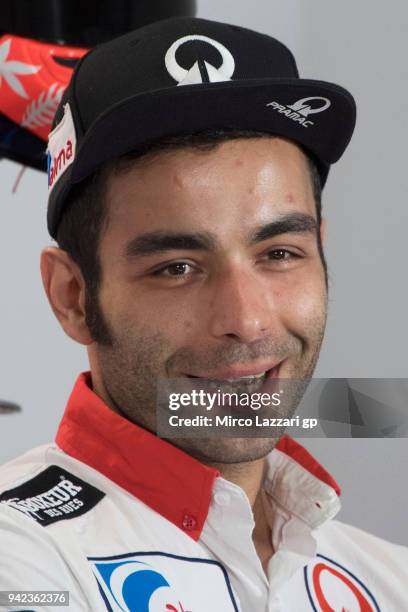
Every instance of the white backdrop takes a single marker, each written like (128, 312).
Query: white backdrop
(363, 47)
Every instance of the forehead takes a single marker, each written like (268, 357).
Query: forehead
(226, 189)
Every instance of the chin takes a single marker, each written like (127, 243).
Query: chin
(227, 450)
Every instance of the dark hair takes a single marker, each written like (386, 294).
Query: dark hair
(86, 210)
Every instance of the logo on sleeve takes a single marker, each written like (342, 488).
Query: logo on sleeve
(61, 147)
(162, 582)
(52, 495)
(331, 587)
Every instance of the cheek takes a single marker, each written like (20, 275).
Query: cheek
(172, 316)
(302, 302)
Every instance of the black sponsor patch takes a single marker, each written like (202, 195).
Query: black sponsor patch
(53, 495)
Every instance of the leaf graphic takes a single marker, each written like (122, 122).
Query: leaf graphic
(40, 112)
(5, 50)
(20, 68)
(8, 70)
(15, 84)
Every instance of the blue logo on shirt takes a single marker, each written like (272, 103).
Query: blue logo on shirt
(154, 581)
(131, 583)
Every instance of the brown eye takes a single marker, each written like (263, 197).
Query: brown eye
(179, 268)
(279, 254)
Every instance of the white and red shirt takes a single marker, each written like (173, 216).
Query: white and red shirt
(125, 521)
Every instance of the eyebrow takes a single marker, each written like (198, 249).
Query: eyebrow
(161, 240)
(294, 223)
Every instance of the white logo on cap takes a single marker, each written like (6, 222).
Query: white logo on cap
(305, 109)
(301, 109)
(193, 75)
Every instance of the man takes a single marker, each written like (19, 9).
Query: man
(185, 170)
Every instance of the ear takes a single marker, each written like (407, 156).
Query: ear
(65, 289)
(322, 230)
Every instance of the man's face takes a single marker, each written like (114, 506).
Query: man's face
(210, 268)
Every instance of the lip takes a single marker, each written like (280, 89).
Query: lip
(272, 371)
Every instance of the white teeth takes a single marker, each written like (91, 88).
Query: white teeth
(244, 384)
(252, 377)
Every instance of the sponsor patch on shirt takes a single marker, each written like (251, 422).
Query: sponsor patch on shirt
(331, 586)
(159, 581)
(324, 585)
(52, 495)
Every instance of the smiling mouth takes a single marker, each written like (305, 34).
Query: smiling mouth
(251, 383)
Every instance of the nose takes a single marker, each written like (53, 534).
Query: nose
(242, 307)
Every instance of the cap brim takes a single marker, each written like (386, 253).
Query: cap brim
(228, 105)
(243, 105)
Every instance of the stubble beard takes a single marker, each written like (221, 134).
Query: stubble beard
(132, 362)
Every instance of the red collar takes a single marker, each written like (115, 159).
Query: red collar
(164, 477)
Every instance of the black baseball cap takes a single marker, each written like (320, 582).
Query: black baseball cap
(181, 76)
